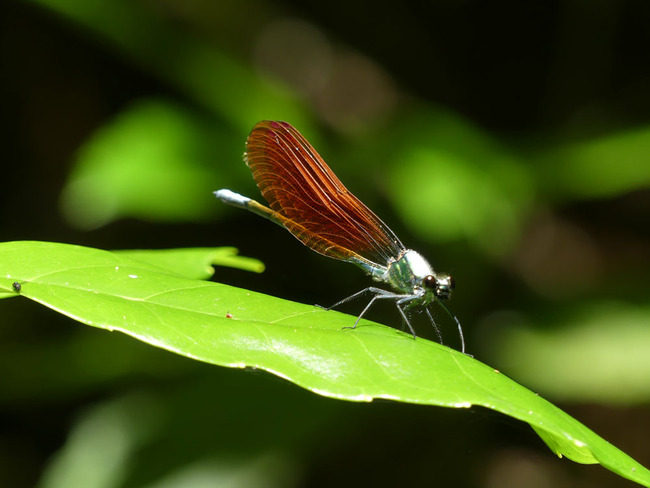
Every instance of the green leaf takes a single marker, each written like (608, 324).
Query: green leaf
(195, 263)
(232, 327)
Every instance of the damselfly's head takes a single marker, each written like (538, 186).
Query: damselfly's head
(441, 285)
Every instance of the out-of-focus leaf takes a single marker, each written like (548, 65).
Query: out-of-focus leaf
(147, 163)
(195, 263)
(599, 353)
(450, 182)
(603, 167)
(129, 427)
(237, 328)
(100, 446)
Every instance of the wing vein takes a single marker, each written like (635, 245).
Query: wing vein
(319, 210)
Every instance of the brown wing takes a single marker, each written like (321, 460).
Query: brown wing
(321, 212)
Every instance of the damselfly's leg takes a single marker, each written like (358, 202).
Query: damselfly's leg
(460, 329)
(435, 326)
(379, 294)
(371, 289)
(404, 299)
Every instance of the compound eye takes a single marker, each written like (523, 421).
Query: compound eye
(429, 282)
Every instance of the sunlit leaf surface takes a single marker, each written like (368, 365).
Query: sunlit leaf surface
(232, 327)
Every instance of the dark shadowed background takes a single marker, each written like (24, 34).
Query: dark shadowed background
(509, 142)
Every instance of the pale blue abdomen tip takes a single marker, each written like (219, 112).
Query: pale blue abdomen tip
(231, 198)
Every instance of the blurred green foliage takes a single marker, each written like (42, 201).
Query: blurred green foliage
(508, 143)
(607, 166)
(151, 142)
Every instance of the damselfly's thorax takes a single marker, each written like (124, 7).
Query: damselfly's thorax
(411, 274)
